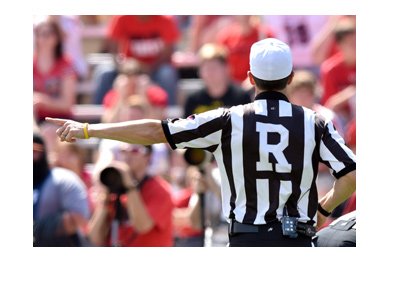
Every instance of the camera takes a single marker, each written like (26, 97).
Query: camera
(112, 179)
(197, 157)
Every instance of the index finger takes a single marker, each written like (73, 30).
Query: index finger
(57, 121)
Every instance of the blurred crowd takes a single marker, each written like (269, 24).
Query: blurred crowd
(118, 68)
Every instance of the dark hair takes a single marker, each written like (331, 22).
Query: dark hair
(271, 84)
(56, 29)
(341, 34)
(344, 28)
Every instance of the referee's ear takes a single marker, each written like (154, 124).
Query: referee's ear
(251, 78)
(291, 76)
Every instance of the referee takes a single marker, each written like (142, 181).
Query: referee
(267, 153)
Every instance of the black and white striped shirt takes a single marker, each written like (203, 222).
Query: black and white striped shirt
(267, 153)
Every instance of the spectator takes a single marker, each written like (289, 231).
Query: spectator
(237, 38)
(72, 157)
(72, 28)
(130, 81)
(54, 79)
(135, 107)
(304, 91)
(219, 89)
(351, 143)
(204, 29)
(60, 203)
(148, 207)
(191, 214)
(148, 39)
(299, 32)
(338, 73)
(324, 45)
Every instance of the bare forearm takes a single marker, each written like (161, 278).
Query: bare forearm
(99, 226)
(341, 191)
(145, 132)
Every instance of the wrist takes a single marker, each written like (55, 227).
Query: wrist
(324, 211)
(91, 130)
(86, 130)
(134, 188)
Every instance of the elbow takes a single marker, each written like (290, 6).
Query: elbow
(351, 179)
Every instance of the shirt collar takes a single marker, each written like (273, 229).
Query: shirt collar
(274, 95)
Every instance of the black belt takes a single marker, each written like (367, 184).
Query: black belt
(237, 227)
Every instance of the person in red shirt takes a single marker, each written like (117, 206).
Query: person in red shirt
(237, 38)
(132, 81)
(338, 73)
(54, 78)
(146, 217)
(149, 39)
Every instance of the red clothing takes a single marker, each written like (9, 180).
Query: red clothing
(351, 134)
(156, 96)
(141, 39)
(336, 75)
(181, 200)
(50, 83)
(238, 46)
(156, 196)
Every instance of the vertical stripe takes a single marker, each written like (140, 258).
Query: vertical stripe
(227, 161)
(313, 195)
(225, 187)
(284, 193)
(237, 160)
(285, 109)
(295, 155)
(274, 189)
(262, 200)
(260, 107)
(308, 174)
(251, 154)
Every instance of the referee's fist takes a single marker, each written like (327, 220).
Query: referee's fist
(69, 130)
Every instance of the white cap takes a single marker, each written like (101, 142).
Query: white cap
(270, 59)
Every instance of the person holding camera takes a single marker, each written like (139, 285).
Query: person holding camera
(267, 152)
(133, 208)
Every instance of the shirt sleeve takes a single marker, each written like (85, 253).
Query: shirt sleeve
(170, 31)
(115, 29)
(201, 131)
(329, 85)
(333, 151)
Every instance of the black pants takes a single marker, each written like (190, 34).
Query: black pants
(268, 236)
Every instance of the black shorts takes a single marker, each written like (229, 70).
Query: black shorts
(268, 236)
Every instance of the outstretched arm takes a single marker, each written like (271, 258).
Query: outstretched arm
(145, 131)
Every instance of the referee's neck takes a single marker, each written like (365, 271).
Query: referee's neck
(258, 91)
